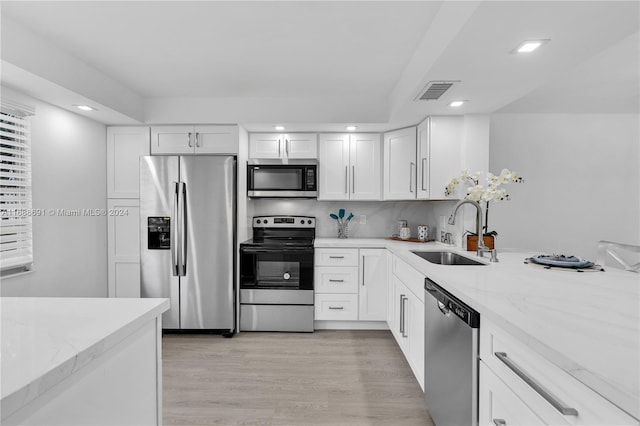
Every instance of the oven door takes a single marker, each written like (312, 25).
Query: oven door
(286, 268)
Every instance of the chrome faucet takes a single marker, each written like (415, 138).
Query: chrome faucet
(481, 247)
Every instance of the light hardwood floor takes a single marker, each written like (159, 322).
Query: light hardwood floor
(327, 377)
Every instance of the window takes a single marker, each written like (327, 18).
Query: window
(16, 252)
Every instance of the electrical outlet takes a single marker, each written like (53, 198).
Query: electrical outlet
(363, 219)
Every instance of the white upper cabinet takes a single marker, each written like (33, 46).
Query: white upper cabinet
(399, 182)
(439, 155)
(283, 146)
(420, 162)
(349, 166)
(185, 140)
(125, 146)
(333, 167)
(364, 155)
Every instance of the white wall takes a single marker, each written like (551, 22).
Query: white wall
(582, 181)
(68, 172)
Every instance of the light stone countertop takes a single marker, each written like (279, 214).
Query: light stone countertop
(588, 323)
(46, 340)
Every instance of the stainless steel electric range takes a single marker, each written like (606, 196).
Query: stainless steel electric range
(276, 275)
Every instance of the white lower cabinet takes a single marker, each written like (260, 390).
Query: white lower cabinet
(543, 388)
(372, 286)
(407, 319)
(123, 242)
(340, 306)
(350, 284)
(499, 405)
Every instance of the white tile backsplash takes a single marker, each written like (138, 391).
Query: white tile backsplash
(381, 216)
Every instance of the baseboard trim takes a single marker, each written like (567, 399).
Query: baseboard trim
(351, 325)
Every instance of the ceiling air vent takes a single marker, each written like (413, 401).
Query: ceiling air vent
(434, 89)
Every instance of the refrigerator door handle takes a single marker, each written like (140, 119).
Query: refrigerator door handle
(174, 232)
(183, 228)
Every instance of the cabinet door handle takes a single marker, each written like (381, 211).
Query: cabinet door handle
(336, 281)
(337, 308)
(279, 146)
(551, 398)
(364, 258)
(189, 140)
(404, 313)
(411, 166)
(424, 167)
(346, 179)
(286, 147)
(353, 179)
(197, 140)
(336, 257)
(499, 422)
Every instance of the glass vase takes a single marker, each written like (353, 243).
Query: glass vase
(343, 230)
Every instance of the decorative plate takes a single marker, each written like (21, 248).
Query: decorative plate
(561, 261)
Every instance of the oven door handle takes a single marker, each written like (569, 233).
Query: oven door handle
(274, 250)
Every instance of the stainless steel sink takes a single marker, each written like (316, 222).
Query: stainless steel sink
(446, 258)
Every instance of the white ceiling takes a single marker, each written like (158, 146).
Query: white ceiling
(319, 64)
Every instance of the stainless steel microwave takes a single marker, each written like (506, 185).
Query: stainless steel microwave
(282, 180)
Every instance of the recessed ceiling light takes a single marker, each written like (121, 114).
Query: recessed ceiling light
(85, 107)
(351, 128)
(456, 104)
(529, 46)
(278, 127)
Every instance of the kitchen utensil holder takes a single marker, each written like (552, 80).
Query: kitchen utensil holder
(343, 230)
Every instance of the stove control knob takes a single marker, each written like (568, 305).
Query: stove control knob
(309, 221)
(266, 221)
(259, 221)
(302, 222)
(287, 276)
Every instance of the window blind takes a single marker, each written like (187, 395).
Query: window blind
(16, 249)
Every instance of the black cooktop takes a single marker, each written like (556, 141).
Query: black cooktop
(282, 232)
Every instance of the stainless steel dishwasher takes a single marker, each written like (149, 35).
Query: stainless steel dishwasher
(450, 357)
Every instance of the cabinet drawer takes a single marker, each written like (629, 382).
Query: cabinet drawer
(336, 257)
(413, 279)
(518, 366)
(500, 405)
(336, 307)
(336, 279)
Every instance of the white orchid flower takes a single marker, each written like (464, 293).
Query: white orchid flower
(475, 193)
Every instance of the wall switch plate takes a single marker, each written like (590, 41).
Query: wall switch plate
(363, 219)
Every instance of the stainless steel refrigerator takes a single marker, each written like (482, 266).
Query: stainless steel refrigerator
(187, 225)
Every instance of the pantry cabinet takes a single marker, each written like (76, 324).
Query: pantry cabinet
(123, 247)
(125, 146)
(283, 146)
(399, 174)
(350, 166)
(193, 140)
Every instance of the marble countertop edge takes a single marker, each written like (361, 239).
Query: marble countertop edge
(16, 398)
